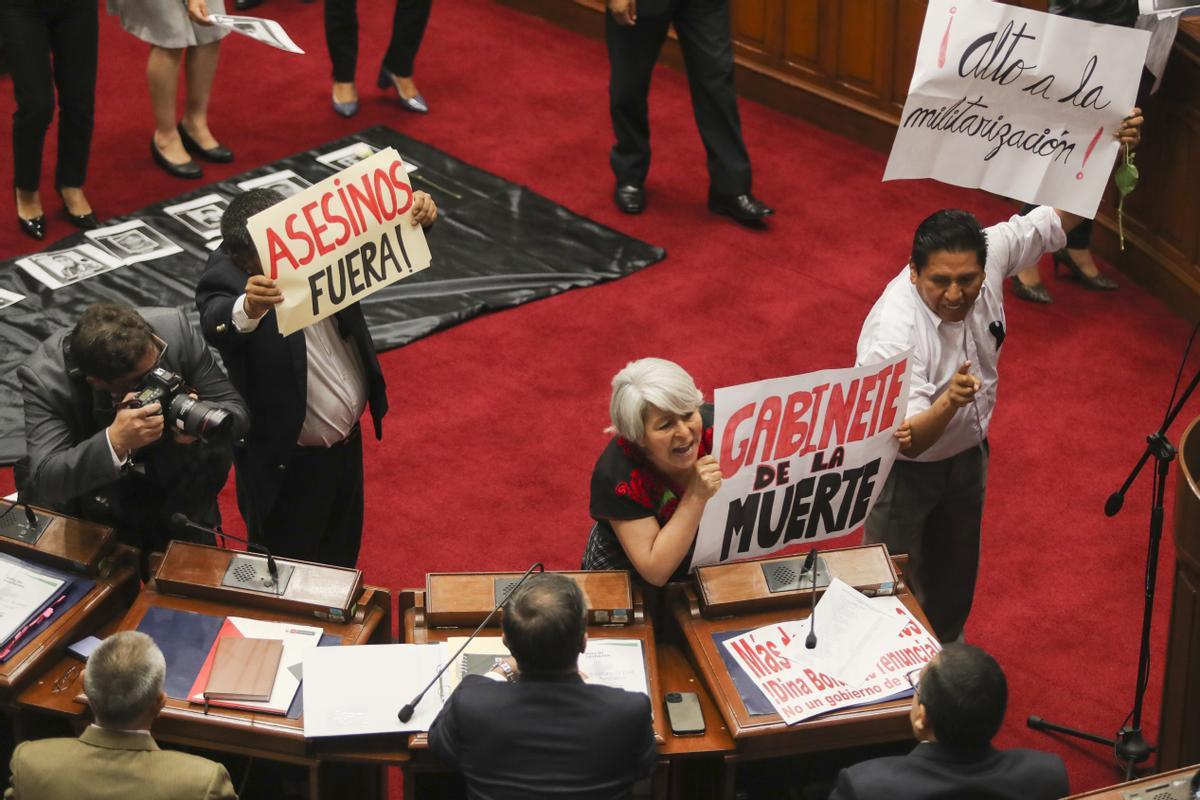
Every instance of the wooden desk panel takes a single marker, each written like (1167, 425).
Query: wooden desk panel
(116, 586)
(223, 729)
(767, 735)
(1116, 792)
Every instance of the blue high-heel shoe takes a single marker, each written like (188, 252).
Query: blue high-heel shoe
(415, 104)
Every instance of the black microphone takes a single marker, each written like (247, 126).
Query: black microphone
(810, 562)
(1113, 505)
(31, 517)
(181, 524)
(405, 714)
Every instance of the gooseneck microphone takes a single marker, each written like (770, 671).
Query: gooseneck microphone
(31, 517)
(180, 523)
(810, 563)
(405, 714)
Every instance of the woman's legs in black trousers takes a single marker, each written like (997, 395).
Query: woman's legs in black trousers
(51, 44)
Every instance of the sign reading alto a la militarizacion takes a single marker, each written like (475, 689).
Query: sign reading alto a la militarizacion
(340, 240)
(1018, 102)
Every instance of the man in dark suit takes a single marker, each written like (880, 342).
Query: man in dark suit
(92, 453)
(299, 474)
(538, 730)
(116, 757)
(957, 709)
(634, 31)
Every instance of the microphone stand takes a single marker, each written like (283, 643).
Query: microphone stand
(1130, 746)
(406, 713)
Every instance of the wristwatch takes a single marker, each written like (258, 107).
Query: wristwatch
(509, 674)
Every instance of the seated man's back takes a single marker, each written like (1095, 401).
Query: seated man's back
(113, 765)
(545, 738)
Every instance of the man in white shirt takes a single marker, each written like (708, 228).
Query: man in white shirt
(947, 304)
(299, 475)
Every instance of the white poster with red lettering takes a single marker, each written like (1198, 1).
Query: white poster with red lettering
(802, 458)
(1018, 102)
(862, 655)
(341, 240)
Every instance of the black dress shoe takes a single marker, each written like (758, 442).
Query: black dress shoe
(218, 154)
(188, 169)
(744, 208)
(35, 227)
(246, 5)
(630, 199)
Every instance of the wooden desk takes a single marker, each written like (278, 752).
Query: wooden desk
(767, 736)
(226, 730)
(1117, 792)
(666, 669)
(116, 586)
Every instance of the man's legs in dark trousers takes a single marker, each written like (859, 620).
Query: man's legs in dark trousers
(632, 52)
(933, 511)
(703, 28)
(318, 513)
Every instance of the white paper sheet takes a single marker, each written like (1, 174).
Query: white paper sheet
(619, 663)
(357, 690)
(7, 298)
(267, 31)
(133, 242)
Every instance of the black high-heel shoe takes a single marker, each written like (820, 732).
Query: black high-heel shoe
(218, 154)
(35, 228)
(1097, 282)
(415, 104)
(86, 221)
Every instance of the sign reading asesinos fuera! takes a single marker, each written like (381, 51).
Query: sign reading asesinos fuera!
(341, 240)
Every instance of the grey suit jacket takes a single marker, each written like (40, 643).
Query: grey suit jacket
(68, 454)
(113, 765)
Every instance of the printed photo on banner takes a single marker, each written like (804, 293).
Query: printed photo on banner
(1018, 102)
(866, 653)
(7, 298)
(340, 241)
(286, 182)
(267, 31)
(803, 458)
(347, 156)
(202, 216)
(58, 268)
(133, 242)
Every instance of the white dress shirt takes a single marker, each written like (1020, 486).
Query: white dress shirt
(900, 319)
(337, 380)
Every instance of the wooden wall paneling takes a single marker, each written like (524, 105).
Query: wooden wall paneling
(910, 19)
(802, 36)
(865, 42)
(752, 27)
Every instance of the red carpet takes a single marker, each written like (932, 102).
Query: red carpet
(495, 424)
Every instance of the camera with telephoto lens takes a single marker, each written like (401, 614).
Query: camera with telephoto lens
(208, 423)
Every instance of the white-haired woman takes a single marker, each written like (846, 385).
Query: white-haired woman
(651, 483)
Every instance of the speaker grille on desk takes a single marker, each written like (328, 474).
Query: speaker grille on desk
(502, 587)
(13, 525)
(1177, 789)
(787, 575)
(251, 573)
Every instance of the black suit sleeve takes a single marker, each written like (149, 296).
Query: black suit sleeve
(844, 790)
(443, 734)
(219, 288)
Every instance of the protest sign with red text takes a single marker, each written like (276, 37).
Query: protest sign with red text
(799, 682)
(339, 241)
(802, 458)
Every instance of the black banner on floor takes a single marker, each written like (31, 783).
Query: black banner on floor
(496, 245)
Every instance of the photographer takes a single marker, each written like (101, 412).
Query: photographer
(98, 399)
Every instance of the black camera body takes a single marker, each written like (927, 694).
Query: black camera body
(208, 423)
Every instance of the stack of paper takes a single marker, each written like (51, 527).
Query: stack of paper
(28, 596)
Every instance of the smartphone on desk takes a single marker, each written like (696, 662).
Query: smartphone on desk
(684, 714)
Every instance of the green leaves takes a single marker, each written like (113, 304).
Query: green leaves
(1126, 179)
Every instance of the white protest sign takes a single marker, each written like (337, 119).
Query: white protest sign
(337, 242)
(802, 458)
(1020, 103)
(267, 31)
(799, 682)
